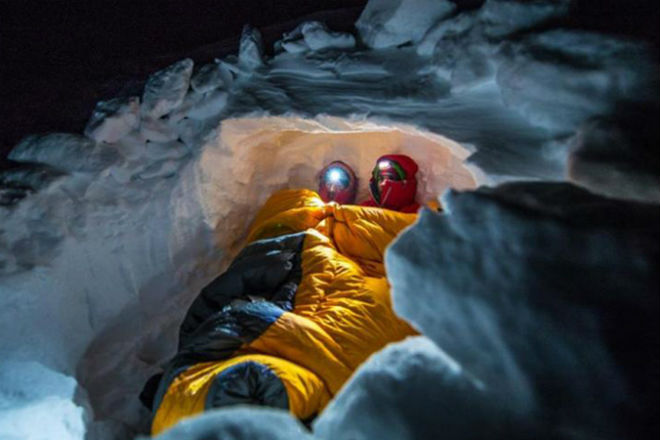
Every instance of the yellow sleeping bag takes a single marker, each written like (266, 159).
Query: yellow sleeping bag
(299, 309)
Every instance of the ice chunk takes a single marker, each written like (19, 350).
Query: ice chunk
(413, 390)
(292, 42)
(113, 119)
(505, 17)
(250, 52)
(238, 423)
(166, 89)
(37, 403)
(542, 291)
(207, 78)
(387, 23)
(64, 151)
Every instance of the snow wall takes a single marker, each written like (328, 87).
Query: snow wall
(107, 236)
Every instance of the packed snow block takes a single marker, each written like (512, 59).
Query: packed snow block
(65, 152)
(412, 390)
(501, 18)
(113, 119)
(618, 156)
(251, 49)
(238, 423)
(208, 78)
(165, 89)
(558, 79)
(388, 23)
(39, 403)
(546, 294)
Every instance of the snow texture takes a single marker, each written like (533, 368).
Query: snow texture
(314, 36)
(413, 390)
(206, 79)
(64, 151)
(388, 23)
(502, 18)
(250, 51)
(239, 423)
(30, 393)
(597, 74)
(113, 119)
(547, 295)
(106, 238)
(166, 89)
(616, 156)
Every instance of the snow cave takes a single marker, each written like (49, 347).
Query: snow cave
(532, 292)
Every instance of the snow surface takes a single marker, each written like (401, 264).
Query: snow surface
(239, 423)
(414, 390)
(548, 296)
(106, 238)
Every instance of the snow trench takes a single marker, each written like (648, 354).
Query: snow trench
(107, 236)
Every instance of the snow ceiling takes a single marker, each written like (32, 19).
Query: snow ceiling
(536, 290)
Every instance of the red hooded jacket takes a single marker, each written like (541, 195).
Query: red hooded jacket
(393, 184)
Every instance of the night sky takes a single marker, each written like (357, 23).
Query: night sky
(60, 57)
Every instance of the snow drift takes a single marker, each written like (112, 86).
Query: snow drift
(106, 237)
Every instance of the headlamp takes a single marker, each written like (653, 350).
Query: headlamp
(337, 176)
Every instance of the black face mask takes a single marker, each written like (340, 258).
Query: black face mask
(375, 191)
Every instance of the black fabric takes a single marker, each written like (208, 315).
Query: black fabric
(247, 383)
(149, 391)
(238, 306)
(268, 269)
(375, 191)
(224, 332)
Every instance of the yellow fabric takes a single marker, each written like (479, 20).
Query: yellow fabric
(186, 395)
(342, 312)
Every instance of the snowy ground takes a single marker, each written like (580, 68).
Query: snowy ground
(107, 236)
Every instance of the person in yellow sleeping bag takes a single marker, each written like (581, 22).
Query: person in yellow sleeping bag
(298, 310)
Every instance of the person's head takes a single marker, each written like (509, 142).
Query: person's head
(393, 184)
(337, 183)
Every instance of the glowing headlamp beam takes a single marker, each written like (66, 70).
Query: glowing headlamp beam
(334, 176)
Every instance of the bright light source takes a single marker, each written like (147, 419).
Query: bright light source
(334, 176)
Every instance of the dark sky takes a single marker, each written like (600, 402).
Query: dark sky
(58, 58)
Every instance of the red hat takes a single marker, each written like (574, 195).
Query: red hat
(393, 184)
(337, 183)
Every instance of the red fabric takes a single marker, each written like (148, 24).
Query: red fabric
(397, 195)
